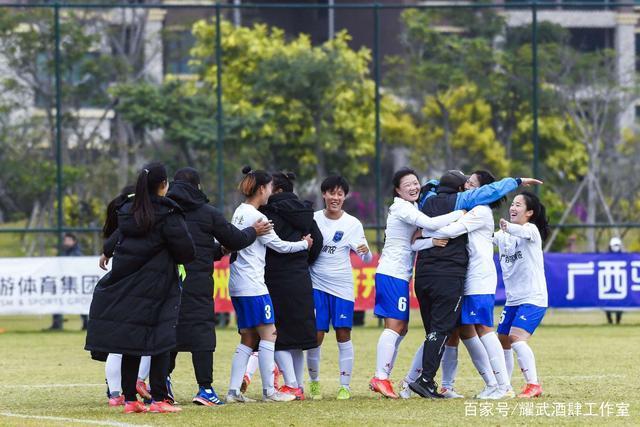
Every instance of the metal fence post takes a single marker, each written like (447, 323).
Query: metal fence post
(56, 29)
(534, 65)
(219, 142)
(376, 68)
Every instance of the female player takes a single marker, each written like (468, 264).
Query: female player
(476, 328)
(249, 294)
(289, 283)
(134, 309)
(113, 362)
(332, 278)
(520, 247)
(394, 272)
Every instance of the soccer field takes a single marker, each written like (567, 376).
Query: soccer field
(589, 372)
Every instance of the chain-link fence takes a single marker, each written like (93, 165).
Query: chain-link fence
(92, 91)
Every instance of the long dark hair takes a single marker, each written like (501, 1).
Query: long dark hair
(150, 178)
(539, 217)
(485, 177)
(253, 180)
(397, 177)
(111, 221)
(283, 181)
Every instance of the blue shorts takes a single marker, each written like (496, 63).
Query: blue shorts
(330, 308)
(525, 316)
(253, 311)
(392, 297)
(477, 310)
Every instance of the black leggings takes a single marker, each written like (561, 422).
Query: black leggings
(202, 366)
(157, 376)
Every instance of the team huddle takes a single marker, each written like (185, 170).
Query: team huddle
(291, 278)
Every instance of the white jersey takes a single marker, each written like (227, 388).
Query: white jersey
(246, 273)
(403, 220)
(522, 265)
(332, 272)
(482, 278)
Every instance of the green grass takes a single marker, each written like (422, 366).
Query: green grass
(580, 360)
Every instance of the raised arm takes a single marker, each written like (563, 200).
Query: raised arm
(229, 235)
(272, 241)
(527, 231)
(411, 215)
(487, 193)
(468, 223)
(359, 244)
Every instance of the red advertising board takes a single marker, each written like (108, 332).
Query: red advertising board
(363, 282)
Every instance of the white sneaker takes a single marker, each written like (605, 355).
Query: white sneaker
(405, 391)
(487, 392)
(237, 397)
(450, 394)
(278, 397)
(502, 393)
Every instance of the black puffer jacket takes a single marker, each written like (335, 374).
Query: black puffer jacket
(135, 306)
(453, 259)
(287, 275)
(196, 327)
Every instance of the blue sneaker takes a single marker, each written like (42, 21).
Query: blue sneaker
(207, 397)
(170, 396)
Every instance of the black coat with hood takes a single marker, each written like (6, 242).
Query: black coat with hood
(453, 259)
(135, 306)
(196, 327)
(287, 275)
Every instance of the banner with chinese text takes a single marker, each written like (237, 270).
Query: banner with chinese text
(65, 284)
(45, 285)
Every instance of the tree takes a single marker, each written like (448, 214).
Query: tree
(287, 105)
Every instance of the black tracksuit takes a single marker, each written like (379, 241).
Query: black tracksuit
(439, 284)
(196, 325)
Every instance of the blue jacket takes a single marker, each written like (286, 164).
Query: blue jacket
(469, 199)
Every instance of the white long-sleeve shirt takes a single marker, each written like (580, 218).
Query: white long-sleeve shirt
(522, 265)
(403, 220)
(246, 273)
(482, 278)
(332, 272)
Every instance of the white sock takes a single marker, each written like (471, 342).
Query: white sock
(313, 363)
(113, 372)
(143, 370)
(238, 366)
(508, 360)
(449, 365)
(416, 366)
(267, 365)
(298, 365)
(493, 348)
(345, 357)
(386, 349)
(526, 360)
(285, 364)
(480, 360)
(395, 353)
(252, 364)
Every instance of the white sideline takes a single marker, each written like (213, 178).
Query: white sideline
(49, 385)
(72, 420)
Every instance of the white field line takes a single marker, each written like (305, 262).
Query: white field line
(72, 420)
